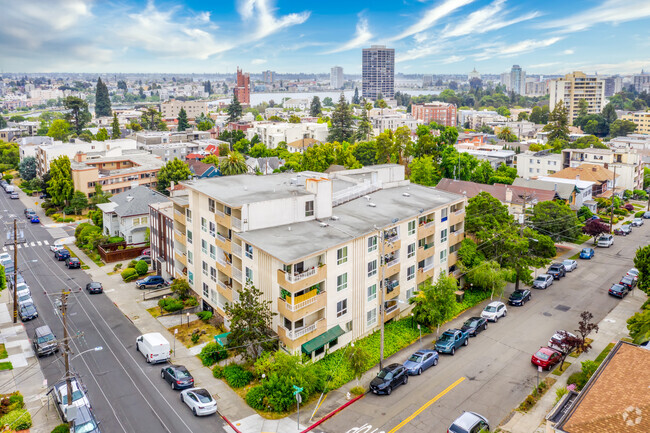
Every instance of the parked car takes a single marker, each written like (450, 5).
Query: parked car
(60, 393)
(152, 281)
(420, 361)
(605, 241)
(624, 230)
(587, 253)
(570, 265)
(29, 212)
(519, 297)
(199, 401)
(84, 421)
(146, 259)
(14, 196)
(546, 358)
(556, 270)
(555, 341)
(637, 222)
(389, 378)
(34, 219)
(19, 280)
(177, 376)
(4, 257)
(154, 347)
(494, 310)
(450, 340)
(61, 254)
(147, 252)
(469, 422)
(628, 281)
(44, 341)
(22, 288)
(474, 325)
(634, 272)
(56, 247)
(25, 298)
(72, 263)
(618, 290)
(646, 215)
(94, 287)
(543, 281)
(27, 312)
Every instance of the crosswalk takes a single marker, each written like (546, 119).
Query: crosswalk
(25, 245)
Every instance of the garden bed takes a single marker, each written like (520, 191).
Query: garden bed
(537, 394)
(558, 371)
(184, 334)
(577, 353)
(4, 365)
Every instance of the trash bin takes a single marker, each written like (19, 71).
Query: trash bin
(460, 295)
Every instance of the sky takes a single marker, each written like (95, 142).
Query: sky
(429, 36)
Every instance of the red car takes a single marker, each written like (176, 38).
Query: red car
(546, 358)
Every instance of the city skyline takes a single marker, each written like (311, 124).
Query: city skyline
(429, 37)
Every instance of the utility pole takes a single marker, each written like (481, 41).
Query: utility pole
(381, 305)
(611, 218)
(525, 198)
(15, 270)
(66, 357)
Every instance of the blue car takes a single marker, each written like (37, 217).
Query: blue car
(420, 361)
(587, 253)
(35, 219)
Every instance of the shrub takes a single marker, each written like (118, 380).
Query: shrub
(115, 239)
(62, 428)
(204, 315)
(622, 212)
(141, 267)
(132, 264)
(132, 278)
(117, 267)
(212, 353)
(560, 392)
(629, 207)
(217, 372)
(358, 390)
(127, 273)
(195, 338)
(256, 398)
(50, 211)
(236, 376)
(639, 214)
(190, 302)
(170, 304)
(574, 378)
(18, 419)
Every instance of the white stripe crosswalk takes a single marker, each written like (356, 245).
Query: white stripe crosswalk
(26, 245)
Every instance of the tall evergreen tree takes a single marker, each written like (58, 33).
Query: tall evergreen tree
(3, 122)
(234, 109)
(342, 129)
(183, 124)
(355, 98)
(117, 132)
(207, 87)
(364, 129)
(315, 109)
(102, 100)
(558, 123)
(78, 114)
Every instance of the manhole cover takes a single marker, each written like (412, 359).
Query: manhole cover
(547, 314)
(562, 308)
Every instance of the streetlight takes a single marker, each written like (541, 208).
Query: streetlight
(188, 320)
(94, 349)
(164, 297)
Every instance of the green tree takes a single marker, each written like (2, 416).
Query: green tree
(233, 164)
(621, 128)
(341, 129)
(102, 135)
(487, 276)
(116, 131)
(294, 119)
(3, 122)
(211, 159)
(355, 98)
(435, 303)
(183, 123)
(234, 109)
(99, 196)
(385, 147)
(315, 108)
(59, 130)
(175, 170)
(241, 146)
(224, 148)
(364, 127)
(181, 288)
(3, 278)
(503, 111)
(507, 135)
(358, 360)
(151, 119)
(556, 220)
(102, 100)
(522, 116)
(365, 152)
(27, 168)
(250, 323)
(609, 114)
(328, 102)
(638, 325)
(558, 126)
(424, 171)
(79, 202)
(319, 158)
(60, 186)
(642, 263)
(78, 115)
(259, 150)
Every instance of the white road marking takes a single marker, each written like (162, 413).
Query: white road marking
(18, 246)
(39, 243)
(46, 242)
(11, 247)
(34, 244)
(4, 248)
(26, 245)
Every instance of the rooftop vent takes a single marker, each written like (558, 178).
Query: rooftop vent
(406, 194)
(395, 220)
(323, 224)
(367, 197)
(335, 218)
(129, 197)
(372, 205)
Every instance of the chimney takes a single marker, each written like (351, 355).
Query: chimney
(593, 168)
(508, 195)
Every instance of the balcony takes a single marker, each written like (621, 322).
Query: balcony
(391, 312)
(235, 223)
(456, 237)
(294, 308)
(391, 236)
(182, 258)
(426, 229)
(224, 266)
(392, 266)
(425, 251)
(222, 218)
(425, 273)
(225, 289)
(452, 259)
(179, 216)
(236, 249)
(393, 246)
(298, 281)
(457, 217)
(180, 237)
(392, 290)
(223, 243)
(237, 275)
(296, 337)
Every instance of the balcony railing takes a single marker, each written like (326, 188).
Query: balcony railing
(459, 211)
(299, 302)
(222, 261)
(301, 276)
(236, 222)
(427, 225)
(218, 212)
(392, 262)
(390, 309)
(224, 286)
(427, 246)
(297, 333)
(390, 285)
(236, 249)
(426, 267)
(237, 275)
(222, 238)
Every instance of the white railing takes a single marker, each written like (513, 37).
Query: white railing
(427, 225)
(235, 222)
(223, 285)
(218, 212)
(459, 211)
(297, 277)
(297, 333)
(353, 192)
(300, 305)
(392, 262)
(236, 249)
(391, 309)
(222, 262)
(222, 238)
(237, 275)
(427, 267)
(177, 212)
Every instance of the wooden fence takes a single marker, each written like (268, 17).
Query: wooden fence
(111, 252)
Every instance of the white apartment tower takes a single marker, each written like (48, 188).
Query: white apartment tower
(517, 80)
(574, 87)
(336, 77)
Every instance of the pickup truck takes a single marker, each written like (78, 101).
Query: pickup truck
(151, 282)
(452, 339)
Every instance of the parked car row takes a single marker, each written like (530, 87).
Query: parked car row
(625, 285)
(559, 270)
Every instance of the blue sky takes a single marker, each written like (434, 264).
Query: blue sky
(430, 36)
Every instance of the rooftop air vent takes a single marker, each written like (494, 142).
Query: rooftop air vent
(406, 194)
(372, 205)
(129, 198)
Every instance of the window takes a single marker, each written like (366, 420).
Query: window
(213, 228)
(205, 268)
(204, 225)
(410, 273)
(206, 290)
(443, 215)
(309, 208)
(204, 246)
(342, 282)
(372, 268)
(443, 256)
(410, 293)
(249, 274)
(213, 252)
(411, 227)
(213, 274)
(411, 251)
(372, 244)
(341, 255)
(190, 258)
(342, 308)
(371, 317)
(372, 293)
(211, 205)
(249, 250)
(443, 235)
(189, 236)
(190, 277)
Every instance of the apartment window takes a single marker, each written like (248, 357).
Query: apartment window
(372, 268)
(443, 235)
(188, 215)
(371, 317)
(213, 252)
(189, 236)
(410, 293)
(372, 293)
(190, 258)
(342, 282)
(342, 308)
(213, 228)
(213, 274)
(410, 273)
(411, 251)
(249, 250)
(249, 274)
(341, 255)
(206, 290)
(443, 256)
(411, 227)
(204, 265)
(204, 225)
(443, 215)
(211, 206)
(309, 208)
(372, 244)
(204, 246)
(190, 277)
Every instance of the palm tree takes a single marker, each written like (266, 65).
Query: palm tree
(233, 164)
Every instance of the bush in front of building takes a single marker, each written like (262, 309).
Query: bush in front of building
(129, 274)
(170, 304)
(141, 267)
(204, 315)
(17, 419)
(237, 376)
(212, 353)
(61, 428)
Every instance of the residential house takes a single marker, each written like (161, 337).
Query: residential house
(299, 146)
(263, 165)
(272, 133)
(627, 163)
(602, 178)
(161, 238)
(201, 170)
(494, 157)
(531, 165)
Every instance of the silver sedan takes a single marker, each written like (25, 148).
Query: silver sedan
(570, 265)
(199, 401)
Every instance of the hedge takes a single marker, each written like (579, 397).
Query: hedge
(61, 428)
(141, 267)
(217, 372)
(639, 214)
(204, 315)
(236, 376)
(171, 304)
(128, 273)
(256, 398)
(17, 419)
(212, 353)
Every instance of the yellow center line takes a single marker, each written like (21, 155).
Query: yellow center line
(426, 405)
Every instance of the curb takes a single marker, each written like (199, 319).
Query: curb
(332, 413)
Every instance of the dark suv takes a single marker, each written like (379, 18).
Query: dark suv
(72, 262)
(61, 254)
(557, 270)
(44, 341)
(152, 281)
(388, 378)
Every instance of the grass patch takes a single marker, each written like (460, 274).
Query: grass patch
(6, 366)
(577, 353)
(94, 256)
(576, 256)
(604, 353)
(154, 311)
(3, 351)
(537, 393)
(85, 267)
(558, 371)
(185, 332)
(583, 238)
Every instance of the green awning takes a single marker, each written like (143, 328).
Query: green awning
(320, 341)
(222, 339)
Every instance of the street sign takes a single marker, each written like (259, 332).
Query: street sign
(296, 390)
(539, 368)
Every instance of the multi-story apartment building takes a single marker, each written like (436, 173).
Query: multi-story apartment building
(243, 88)
(170, 109)
(267, 76)
(531, 165)
(641, 80)
(336, 77)
(517, 81)
(393, 121)
(325, 250)
(161, 237)
(575, 87)
(536, 88)
(164, 137)
(613, 85)
(440, 112)
(272, 133)
(626, 162)
(378, 72)
(642, 120)
(631, 141)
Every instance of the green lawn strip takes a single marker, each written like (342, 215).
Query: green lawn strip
(3, 351)
(72, 254)
(559, 372)
(6, 366)
(583, 238)
(575, 256)
(604, 353)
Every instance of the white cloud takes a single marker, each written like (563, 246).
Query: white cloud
(361, 38)
(453, 59)
(484, 20)
(501, 50)
(431, 17)
(258, 61)
(266, 23)
(628, 67)
(610, 11)
(568, 52)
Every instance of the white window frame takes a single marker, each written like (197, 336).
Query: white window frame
(371, 317)
(204, 246)
(309, 208)
(372, 244)
(410, 253)
(342, 307)
(204, 268)
(443, 235)
(411, 227)
(342, 282)
(372, 268)
(213, 252)
(443, 256)
(410, 273)
(190, 257)
(372, 292)
(204, 225)
(341, 255)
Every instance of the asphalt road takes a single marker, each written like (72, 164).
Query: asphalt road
(493, 374)
(126, 393)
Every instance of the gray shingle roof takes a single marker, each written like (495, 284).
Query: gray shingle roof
(136, 201)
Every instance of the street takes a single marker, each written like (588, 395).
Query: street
(493, 374)
(126, 393)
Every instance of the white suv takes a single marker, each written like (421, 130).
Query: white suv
(605, 241)
(494, 310)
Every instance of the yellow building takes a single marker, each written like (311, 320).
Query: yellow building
(642, 120)
(575, 87)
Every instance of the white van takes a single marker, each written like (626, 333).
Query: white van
(605, 241)
(9, 189)
(154, 347)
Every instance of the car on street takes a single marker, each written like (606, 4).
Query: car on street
(637, 222)
(543, 281)
(420, 361)
(556, 270)
(72, 263)
(14, 196)
(646, 215)
(94, 287)
(25, 298)
(151, 282)
(27, 312)
(469, 422)
(624, 230)
(34, 219)
(60, 393)
(44, 341)
(4, 257)
(84, 421)
(450, 340)
(56, 247)
(634, 272)
(199, 401)
(628, 281)
(618, 290)
(587, 253)
(61, 254)
(555, 342)
(605, 241)
(19, 280)
(29, 212)
(546, 358)
(389, 378)
(570, 265)
(177, 376)
(474, 325)
(494, 310)
(519, 297)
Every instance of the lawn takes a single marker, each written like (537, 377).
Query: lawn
(537, 393)
(3, 351)
(604, 353)
(582, 239)
(185, 332)
(558, 371)
(6, 366)
(154, 311)
(576, 353)
(576, 256)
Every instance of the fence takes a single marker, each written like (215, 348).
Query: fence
(110, 252)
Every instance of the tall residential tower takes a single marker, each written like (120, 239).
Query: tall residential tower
(336, 77)
(378, 75)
